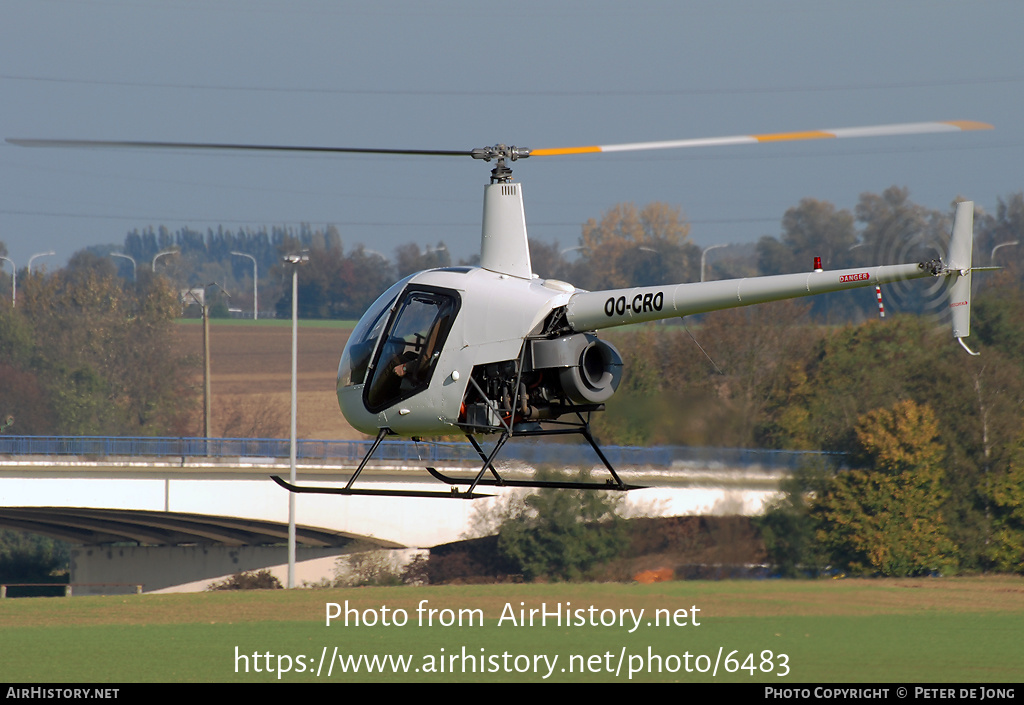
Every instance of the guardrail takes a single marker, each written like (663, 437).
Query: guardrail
(404, 452)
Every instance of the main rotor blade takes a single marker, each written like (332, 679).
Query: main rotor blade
(501, 151)
(913, 128)
(106, 144)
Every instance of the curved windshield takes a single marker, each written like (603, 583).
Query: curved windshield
(363, 339)
(410, 349)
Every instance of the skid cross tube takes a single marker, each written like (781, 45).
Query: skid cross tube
(615, 483)
(373, 449)
(488, 460)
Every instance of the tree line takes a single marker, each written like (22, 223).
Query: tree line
(86, 352)
(626, 246)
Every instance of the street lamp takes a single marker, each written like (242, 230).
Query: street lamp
(439, 259)
(294, 260)
(160, 254)
(130, 259)
(703, 257)
(40, 254)
(14, 281)
(992, 257)
(205, 307)
(255, 299)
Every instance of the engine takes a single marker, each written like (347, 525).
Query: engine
(554, 376)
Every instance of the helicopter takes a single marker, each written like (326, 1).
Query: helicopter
(494, 349)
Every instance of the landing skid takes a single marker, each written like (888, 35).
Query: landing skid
(496, 480)
(454, 494)
(501, 482)
(349, 490)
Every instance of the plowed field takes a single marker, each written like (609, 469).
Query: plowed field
(250, 371)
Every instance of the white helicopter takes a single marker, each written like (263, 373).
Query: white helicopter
(494, 349)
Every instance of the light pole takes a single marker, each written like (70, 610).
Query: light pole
(205, 307)
(255, 298)
(992, 257)
(14, 282)
(40, 254)
(206, 359)
(294, 260)
(130, 259)
(439, 260)
(703, 257)
(206, 346)
(160, 254)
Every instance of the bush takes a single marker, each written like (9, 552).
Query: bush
(366, 568)
(29, 558)
(789, 528)
(249, 580)
(562, 534)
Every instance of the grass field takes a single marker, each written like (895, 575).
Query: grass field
(780, 632)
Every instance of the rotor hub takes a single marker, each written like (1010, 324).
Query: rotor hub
(501, 173)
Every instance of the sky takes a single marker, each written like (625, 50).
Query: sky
(455, 75)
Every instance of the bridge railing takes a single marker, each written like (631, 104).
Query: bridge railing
(403, 452)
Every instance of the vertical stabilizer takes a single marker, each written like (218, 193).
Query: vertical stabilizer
(503, 246)
(960, 247)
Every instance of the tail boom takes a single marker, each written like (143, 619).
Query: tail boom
(607, 309)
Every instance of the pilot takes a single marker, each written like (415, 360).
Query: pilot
(417, 367)
(409, 365)
(387, 384)
(407, 369)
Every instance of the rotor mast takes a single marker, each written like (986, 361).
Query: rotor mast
(504, 246)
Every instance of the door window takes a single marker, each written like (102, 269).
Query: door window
(411, 347)
(361, 343)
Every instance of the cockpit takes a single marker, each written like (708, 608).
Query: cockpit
(408, 344)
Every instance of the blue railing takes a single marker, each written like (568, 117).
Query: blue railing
(401, 452)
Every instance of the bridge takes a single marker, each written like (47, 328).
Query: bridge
(177, 513)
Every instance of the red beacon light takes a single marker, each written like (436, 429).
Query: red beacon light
(817, 264)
